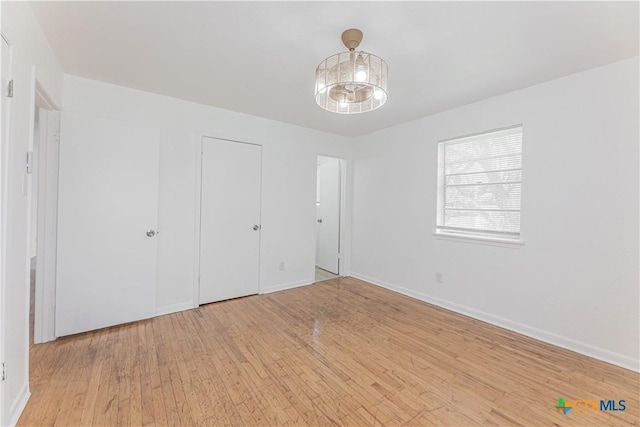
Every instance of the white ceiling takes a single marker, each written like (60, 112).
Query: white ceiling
(260, 57)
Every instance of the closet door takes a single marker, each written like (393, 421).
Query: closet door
(107, 218)
(328, 214)
(230, 219)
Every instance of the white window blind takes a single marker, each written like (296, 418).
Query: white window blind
(480, 185)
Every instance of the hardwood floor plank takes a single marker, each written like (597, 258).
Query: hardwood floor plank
(339, 352)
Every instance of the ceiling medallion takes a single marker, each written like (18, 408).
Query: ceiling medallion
(352, 82)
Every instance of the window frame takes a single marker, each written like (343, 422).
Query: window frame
(486, 237)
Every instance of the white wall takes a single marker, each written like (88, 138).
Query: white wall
(289, 181)
(575, 281)
(30, 49)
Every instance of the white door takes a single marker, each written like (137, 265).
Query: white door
(108, 204)
(46, 170)
(230, 219)
(328, 214)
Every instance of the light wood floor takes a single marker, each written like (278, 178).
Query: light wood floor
(339, 352)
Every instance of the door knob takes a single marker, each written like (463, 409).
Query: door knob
(151, 233)
(320, 220)
(256, 227)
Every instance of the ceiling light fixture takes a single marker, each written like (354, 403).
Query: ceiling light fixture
(351, 82)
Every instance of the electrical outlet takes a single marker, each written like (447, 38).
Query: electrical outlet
(438, 277)
(281, 266)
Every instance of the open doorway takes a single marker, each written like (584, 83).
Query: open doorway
(328, 217)
(42, 166)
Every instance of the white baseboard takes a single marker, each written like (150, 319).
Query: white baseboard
(284, 286)
(19, 404)
(174, 308)
(548, 337)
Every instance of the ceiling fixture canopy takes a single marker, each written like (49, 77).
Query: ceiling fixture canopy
(351, 82)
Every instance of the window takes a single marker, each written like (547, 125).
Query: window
(479, 185)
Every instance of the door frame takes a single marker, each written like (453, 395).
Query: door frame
(47, 219)
(198, 213)
(4, 149)
(343, 254)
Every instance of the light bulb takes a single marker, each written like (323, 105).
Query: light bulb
(378, 94)
(361, 76)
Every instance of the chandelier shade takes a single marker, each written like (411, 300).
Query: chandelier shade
(351, 82)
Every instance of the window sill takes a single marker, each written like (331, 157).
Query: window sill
(490, 241)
